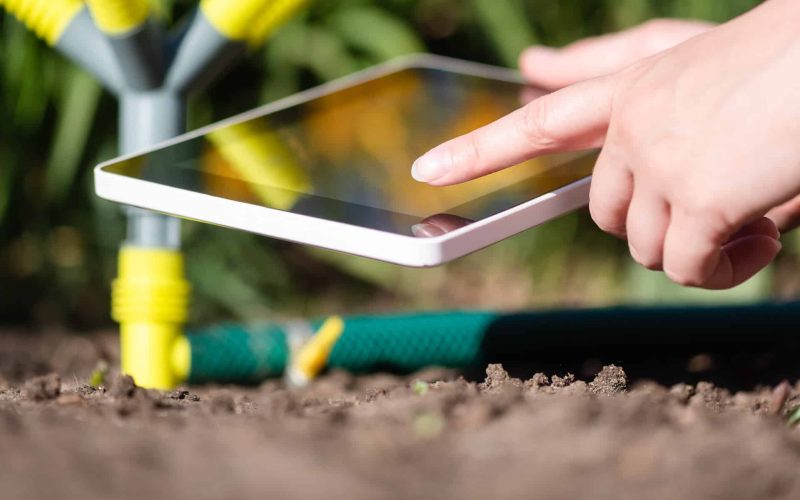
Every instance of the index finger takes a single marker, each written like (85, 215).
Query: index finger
(570, 119)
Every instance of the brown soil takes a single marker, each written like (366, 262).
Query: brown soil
(430, 435)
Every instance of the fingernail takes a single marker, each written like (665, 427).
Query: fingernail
(423, 230)
(430, 167)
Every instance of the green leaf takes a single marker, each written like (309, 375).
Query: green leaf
(420, 387)
(5, 180)
(375, 31)
(795, 418)
(507, 27)
(75, 118)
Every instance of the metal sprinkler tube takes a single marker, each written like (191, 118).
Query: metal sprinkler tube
(119, 43)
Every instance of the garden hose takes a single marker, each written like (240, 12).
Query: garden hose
(464, 340)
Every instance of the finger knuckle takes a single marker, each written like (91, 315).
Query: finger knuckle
(536, 124)
(472, 155)
(706, 210)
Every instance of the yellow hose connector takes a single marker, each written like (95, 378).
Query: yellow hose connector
(117, 17)
(47, 18)
(234, 19)
(150, 301)
(313, 356)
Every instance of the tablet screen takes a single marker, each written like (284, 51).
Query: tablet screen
(346, 156)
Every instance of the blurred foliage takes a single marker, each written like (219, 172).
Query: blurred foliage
(58, 241)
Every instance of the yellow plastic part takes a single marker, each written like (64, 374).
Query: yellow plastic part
(150, 300)
(261, 157)
(233, 19)
(278, 13)
(313, 356)
(117, 17)
(47, 18)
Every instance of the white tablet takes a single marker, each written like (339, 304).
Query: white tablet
(331, 167)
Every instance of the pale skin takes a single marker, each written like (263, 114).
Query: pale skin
(700, 162)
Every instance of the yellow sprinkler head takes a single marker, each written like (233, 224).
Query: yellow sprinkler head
(116, 17)
(233, 19)
(275, 16)
(47, 18)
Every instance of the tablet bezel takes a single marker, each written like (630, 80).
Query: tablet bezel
(357, 240)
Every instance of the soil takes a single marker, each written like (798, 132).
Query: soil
(433, 434)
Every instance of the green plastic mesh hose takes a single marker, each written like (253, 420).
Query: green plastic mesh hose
(405, 343)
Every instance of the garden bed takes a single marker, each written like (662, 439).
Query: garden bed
(433, 434)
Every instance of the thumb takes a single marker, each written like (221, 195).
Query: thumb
(570, 119)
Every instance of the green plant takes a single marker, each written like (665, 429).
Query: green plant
(420, 387)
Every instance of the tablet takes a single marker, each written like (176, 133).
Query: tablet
(331, 167)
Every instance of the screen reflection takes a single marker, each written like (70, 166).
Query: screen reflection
(346, 156)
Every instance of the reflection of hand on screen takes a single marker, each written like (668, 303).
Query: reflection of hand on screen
(439, 224)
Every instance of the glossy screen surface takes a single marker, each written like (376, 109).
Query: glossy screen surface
(346, 156)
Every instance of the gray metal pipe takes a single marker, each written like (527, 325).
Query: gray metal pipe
(142, 51)
(203, 54)
(89, 48)
(147, 118)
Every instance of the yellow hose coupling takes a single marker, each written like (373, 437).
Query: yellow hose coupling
(150, 301)
(117, 17)
(47, 18)
(313, 357)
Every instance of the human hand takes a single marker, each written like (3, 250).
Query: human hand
(549, 68)
(699, 143)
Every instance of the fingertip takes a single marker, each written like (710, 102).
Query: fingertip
(538, 54)
(538, 65)
(430, 167)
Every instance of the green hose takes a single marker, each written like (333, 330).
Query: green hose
(405, 343)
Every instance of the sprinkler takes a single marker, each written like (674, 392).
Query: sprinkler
(152, 73)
